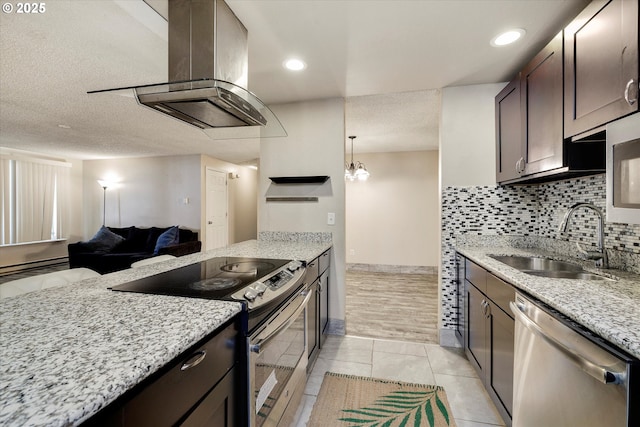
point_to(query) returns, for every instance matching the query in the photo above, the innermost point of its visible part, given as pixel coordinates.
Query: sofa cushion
(136, 240)
(105, 240)
(152, 237)
(124, 232)
(186, 235)
(168, 238)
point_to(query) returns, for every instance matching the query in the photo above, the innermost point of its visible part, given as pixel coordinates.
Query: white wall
(393, 217)
(467, 135)
(314, 146)
(150, 191)
(467, 158)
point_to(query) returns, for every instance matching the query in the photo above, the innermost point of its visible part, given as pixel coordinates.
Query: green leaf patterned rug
(346, 400)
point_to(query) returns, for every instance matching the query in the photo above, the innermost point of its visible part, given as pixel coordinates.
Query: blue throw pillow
(168, 238)
(105, 240)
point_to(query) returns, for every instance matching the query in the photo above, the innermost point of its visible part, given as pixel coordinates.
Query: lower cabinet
(219, 406)
(313, 328)
(460, 301)
(489, 334)
(318, 309)
(202, 387)
(323, 297)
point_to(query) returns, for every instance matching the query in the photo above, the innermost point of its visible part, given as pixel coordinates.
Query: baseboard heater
(14, 268)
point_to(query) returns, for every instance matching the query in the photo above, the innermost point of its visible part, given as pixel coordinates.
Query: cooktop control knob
(250, 295)
(294, 265)
(260, 288)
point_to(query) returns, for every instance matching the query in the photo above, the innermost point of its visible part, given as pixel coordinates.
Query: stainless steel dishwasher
(564, 376)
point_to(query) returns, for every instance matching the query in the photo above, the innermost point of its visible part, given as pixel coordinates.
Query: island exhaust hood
(208, 68)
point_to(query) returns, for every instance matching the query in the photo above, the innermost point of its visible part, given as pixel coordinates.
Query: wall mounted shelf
(318, 179)
(292, 199)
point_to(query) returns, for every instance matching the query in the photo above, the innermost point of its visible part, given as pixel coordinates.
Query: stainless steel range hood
(208, 67)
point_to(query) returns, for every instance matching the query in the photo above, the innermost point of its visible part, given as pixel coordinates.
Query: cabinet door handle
(194, 360)
(626, 93)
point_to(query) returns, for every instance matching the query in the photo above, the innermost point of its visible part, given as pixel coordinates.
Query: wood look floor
(392, 306)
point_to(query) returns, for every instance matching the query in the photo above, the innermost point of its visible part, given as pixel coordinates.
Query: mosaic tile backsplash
(529, 210)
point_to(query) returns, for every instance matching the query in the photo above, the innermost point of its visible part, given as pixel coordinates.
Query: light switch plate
(331, 218)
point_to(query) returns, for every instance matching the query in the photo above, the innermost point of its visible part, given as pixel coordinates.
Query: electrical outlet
(331, 218)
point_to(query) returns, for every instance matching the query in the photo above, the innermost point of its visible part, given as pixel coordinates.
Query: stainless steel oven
(278, 363)
(623, 170)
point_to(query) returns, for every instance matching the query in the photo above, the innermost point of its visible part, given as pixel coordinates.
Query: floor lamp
(104, 185)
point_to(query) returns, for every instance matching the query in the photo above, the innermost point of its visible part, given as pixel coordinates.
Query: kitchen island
(68, 352)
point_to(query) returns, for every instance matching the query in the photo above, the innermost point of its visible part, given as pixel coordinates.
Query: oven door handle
(270, 334)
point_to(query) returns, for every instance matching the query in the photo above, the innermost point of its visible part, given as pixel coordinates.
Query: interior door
(217, 227)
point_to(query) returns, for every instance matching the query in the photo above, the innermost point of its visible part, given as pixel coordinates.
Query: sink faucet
(600, 256)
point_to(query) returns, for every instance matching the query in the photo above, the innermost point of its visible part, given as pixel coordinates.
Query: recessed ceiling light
(507, 37)
(64, 126)
(294, 64)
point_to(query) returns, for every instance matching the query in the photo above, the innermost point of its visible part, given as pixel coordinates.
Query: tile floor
(409, 362)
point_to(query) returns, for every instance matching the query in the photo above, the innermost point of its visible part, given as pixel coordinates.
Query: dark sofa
(128, 245)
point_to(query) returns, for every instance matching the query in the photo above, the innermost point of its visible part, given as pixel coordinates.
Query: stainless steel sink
(566, 275)
(533, 263)
(545, 267)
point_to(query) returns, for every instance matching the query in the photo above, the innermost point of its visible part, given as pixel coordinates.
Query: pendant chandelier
(356, 170)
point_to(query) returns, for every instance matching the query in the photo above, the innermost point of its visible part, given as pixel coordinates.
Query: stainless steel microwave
(623, 170)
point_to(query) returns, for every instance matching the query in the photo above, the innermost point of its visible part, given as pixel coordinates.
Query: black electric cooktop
(216, 278)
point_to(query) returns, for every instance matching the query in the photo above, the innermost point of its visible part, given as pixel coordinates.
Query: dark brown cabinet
(489, 334)
(541, 109)
(219, 406)
(202, 387)
(586, 77)
(317, 279)
(529, 133)
(460, 301)
(509, 158)
(477, 331)
(313, 328)
(323, 291)
(601, 65)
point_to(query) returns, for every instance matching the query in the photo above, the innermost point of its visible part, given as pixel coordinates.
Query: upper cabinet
(584, 78)
(601, 65)
(509, 159)
(541, 109)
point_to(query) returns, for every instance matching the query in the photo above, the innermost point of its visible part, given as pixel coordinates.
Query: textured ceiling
(388, 58)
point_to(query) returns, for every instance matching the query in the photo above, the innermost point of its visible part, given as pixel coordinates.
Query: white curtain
(63, 193)
(5, 201)
(39, 188)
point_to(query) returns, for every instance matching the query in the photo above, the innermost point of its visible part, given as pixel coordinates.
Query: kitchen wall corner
(314, 146)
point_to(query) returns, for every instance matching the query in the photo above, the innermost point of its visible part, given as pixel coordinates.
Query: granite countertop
(67, 352)
(608, 308)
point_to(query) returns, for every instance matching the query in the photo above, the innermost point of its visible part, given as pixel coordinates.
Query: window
(33, 197)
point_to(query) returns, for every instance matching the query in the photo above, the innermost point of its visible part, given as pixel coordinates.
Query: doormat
(346, 400)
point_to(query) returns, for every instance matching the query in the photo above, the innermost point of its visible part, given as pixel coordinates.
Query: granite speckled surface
(65, 353)
(608, 308)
